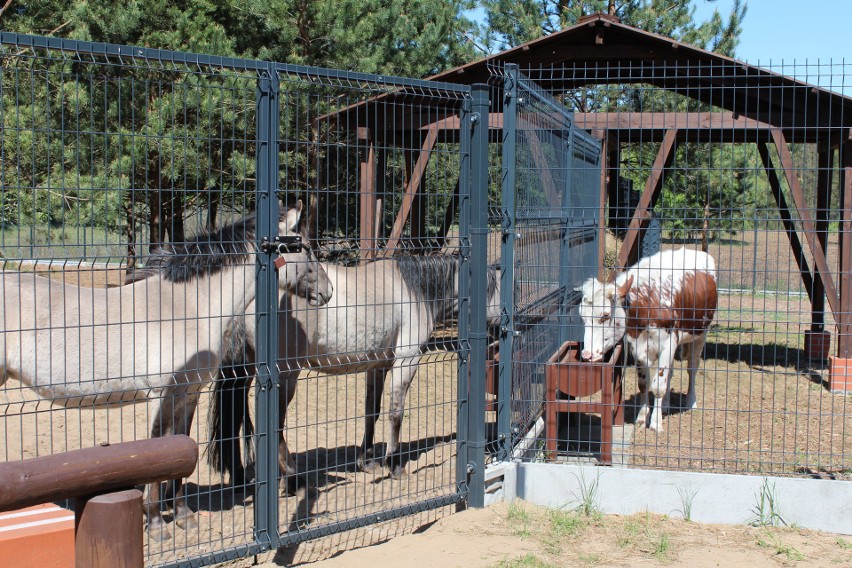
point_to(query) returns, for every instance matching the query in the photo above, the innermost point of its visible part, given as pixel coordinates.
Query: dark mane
(207, 254)
(432, 280)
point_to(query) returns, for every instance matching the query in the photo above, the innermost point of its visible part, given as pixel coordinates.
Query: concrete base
(817, 345)
(701, 497)
(840, 375)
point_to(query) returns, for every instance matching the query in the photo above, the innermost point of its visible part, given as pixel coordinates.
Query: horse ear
(625, 288)
(290, 221)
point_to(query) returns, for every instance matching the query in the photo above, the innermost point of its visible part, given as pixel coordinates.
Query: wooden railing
(102, 480)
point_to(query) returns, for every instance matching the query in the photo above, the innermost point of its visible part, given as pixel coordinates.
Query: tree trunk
(130, 233)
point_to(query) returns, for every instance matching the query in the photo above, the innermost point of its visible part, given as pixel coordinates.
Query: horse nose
(586, 354)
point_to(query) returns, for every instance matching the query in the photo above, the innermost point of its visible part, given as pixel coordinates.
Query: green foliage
(174, 141)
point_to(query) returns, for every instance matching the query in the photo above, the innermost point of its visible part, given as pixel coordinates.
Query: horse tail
(229, 412)
(228, 416)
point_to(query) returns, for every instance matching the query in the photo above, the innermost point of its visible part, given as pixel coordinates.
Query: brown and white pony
(662, 302)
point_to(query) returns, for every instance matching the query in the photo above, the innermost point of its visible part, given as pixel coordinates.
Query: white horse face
(604, 317)
(302, 274)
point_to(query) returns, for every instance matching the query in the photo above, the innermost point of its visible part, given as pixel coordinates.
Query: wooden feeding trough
(492, 367)
(566, 372)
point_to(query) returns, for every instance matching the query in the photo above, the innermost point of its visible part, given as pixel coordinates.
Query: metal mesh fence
(118, 314)
(697, 163)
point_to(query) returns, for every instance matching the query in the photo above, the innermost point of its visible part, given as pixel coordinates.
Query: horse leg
(695, 349)
(372, 408)
(401, 377)
(642, 414)
(183, 417)
(156, 526)
(660, 378)
(286, 464)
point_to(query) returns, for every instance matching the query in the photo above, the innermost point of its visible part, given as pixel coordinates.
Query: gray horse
(378, 322)
(158, 338)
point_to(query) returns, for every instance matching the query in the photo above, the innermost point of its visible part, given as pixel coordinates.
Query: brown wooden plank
(369, 195)
(787, 219)
(411, 188)
(629, 252)
(805, 218)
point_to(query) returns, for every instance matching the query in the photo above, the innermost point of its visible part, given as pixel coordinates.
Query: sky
(790, 30)
(804, 39)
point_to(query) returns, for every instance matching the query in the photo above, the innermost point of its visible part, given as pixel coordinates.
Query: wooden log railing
(108, 508)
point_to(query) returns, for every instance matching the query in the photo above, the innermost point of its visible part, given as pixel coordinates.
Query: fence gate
(109, 152)
(550, 212)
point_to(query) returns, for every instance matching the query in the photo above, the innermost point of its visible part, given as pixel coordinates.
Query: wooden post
(412, 188)
(609, 172)
(840, 373)
(108, 530)
(367, 224)
(817, 339)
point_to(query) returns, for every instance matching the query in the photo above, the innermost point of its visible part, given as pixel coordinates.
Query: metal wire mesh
(110, 152)
(714, 165)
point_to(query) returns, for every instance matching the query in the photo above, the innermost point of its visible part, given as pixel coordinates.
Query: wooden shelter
(757, 106)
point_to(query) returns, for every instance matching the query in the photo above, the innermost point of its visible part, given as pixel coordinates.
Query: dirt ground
(522, 535)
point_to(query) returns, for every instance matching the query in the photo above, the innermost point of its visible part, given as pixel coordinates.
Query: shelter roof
(600, 50)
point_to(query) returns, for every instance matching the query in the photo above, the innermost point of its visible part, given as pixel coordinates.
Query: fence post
(108, 530)
(478, 293)
(507, 262)
(266, 474)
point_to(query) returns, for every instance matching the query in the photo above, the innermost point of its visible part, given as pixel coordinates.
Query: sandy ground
(524, 535)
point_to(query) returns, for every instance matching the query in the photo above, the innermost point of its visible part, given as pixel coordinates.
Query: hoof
(371, 466)
(187, 522)
(291, 484)
(159, 532)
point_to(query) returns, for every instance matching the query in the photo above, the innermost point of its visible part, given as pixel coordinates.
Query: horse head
(299, 270)
(604, 316)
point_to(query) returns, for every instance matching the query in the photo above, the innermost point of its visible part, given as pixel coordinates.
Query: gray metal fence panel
(551, 180)
(112, 151)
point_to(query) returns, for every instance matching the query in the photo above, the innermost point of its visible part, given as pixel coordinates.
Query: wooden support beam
(412, 187)
(825, 167)
(805, 218)
(369, 196)
(844, 314)
(629, 252)
(787, 219)
(610, 169)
